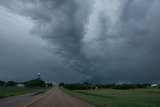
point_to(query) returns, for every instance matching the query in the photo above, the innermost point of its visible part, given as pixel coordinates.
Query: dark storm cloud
(58, 22)
(125, 45)
(96, 40)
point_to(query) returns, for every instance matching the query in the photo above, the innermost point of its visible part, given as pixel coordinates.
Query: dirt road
(57, 98)
(53, 98)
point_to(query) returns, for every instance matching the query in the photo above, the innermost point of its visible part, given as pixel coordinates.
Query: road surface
(20, 100)
(52, 98)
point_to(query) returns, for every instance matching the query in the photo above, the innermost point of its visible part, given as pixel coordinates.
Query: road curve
(57, 98)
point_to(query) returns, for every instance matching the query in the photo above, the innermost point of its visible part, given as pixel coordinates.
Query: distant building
(20, 85)
(154, 85)
(121, 83)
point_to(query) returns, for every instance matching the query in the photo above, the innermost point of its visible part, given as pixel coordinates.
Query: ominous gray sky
(79, 40)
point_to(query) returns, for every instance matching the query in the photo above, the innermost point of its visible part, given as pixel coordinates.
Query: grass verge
(119, 98)
(13, 91)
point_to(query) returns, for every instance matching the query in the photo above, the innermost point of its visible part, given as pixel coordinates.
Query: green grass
(119, 98)
(12, 91)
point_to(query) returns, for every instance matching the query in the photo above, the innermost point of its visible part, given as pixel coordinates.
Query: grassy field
(12, 91)
(119, 98)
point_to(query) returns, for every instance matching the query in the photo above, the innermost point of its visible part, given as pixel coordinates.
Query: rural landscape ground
(120, 98)
(52, 98)
(60, 97)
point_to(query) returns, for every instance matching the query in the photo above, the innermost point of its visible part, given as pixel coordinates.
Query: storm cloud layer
(74, 40)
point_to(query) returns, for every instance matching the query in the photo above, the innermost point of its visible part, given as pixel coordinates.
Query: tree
(2, 82)
(35, 83)
(61, 84)
(49, 84)
(11, 83)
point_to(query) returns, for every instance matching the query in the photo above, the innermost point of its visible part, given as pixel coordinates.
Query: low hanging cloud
(95, 40)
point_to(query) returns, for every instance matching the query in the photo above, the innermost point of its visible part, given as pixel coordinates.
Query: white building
(20, 85)
(154, 85)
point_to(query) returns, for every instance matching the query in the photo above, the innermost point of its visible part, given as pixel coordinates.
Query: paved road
(19, 101)
(52, 98)
(57, 98)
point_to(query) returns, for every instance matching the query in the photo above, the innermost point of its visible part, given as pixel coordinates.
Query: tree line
(88, 86)
(31, 83)
(122, 86)
(78, 86)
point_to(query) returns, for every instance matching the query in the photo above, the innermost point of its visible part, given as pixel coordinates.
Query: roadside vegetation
(118, 95)
(88, 86)
(13, 91)
(12, 88)
(78, 86)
